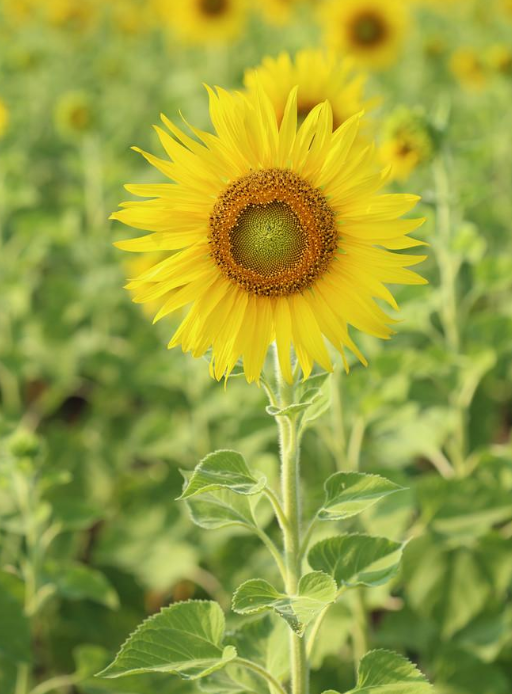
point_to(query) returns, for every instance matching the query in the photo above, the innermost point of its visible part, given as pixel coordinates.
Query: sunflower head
(318, 76)
(279, 12)
(74, 114)
(271, 233)
(369, 30)
(4, 119)
(499, 59)
(469, 68)
(204, 21)
(408, 142)
(76, 15)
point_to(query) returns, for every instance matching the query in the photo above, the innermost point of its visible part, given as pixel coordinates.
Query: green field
(98, 419)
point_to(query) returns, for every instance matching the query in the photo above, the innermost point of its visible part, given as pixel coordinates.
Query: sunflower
(499, 59)
(408, 142)
(204, 21)
(319, 77)
(4, 119)
(372, 31)
(278, 11)
(77, 15)
(469, 68)
(273, 233)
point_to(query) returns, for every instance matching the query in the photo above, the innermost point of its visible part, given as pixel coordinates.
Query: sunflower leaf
(384, 672)
(184, 639)
(220, 509)
(223, 470)
(315, 591)
(308, 398)
(354, 560)
(349, 493)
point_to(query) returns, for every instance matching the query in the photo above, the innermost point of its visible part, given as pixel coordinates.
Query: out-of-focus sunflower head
(278, 11)
(131, 17)
(499, 59)
(74, 114)
(204, 21)
(4, 118)
(77, 15)
(469, 68)
(372, 31)
(408, 142)
(318, 76)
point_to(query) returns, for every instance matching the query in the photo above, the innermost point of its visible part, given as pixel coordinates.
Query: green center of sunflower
(267, 238)
(369, 29)
(272, 233)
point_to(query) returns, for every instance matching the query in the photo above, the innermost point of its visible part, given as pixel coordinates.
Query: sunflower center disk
(267, 239)
(369, 29)
(272, 233)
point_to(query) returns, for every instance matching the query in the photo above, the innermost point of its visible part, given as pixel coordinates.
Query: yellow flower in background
(468, 67)
(278, 11)
(78, 15)
(19, 11)
(272, 233)
(318, 76)
(132, 17)
(4, 119)
(372, 31)
(499, 59)
(74, 114)
(408, 142)
(205, 21)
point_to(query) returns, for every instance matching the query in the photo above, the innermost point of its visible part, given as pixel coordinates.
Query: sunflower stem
(290, 489)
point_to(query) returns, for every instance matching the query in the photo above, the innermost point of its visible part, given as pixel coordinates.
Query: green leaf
(315, 591)
(14, 626)
(384, 672)
(220, 509)
(349, 493)
(307, 399)
(184, 639)
(81, 582)
(223, 470)
(354, 560)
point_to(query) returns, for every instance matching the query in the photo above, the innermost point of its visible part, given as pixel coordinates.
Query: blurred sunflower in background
(408, 142)
(278, 11)
(72, 14)
(318, 76)
(468, 66)
(205, 21)
(372, 31)
(74, 114)
(273, 233)
(499, 59)
(4, 118)
(131, 17)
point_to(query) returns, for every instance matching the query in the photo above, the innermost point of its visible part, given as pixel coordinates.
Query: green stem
(360, 627)
(265, 674)
(318, 623)
(447, 268)
(290, 485)
(55, 683)
(278, 509)
(448, 272)
(269, 544)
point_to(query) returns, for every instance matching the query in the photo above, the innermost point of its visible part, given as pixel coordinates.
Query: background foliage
(97, 417)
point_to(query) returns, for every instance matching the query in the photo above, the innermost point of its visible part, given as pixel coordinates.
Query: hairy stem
(290, 486)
